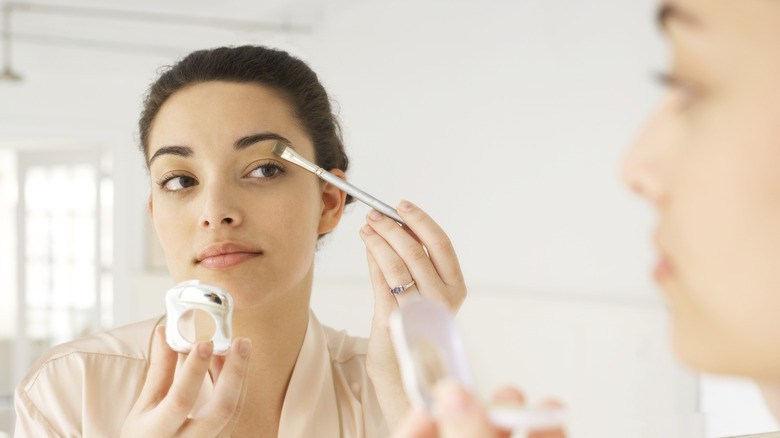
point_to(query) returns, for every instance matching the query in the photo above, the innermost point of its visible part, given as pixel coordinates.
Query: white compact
(186, 304)
(429, 349)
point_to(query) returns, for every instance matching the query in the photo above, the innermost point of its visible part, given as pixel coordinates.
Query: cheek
(725, 201)
(295, 215)
(173, 233)
(724, 225)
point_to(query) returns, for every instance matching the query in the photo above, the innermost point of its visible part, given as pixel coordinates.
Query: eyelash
(265, 166)
(270, 165)
(168, 178)
(688, 92)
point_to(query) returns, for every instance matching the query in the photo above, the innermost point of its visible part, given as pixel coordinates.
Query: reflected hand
(461, 416)
(168, 396)
(395, 257)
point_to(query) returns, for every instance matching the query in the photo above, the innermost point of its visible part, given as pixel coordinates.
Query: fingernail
(405, 206)
(452, 400)
(205, 349)
(367, 229)
(374, 215)
(244, 347)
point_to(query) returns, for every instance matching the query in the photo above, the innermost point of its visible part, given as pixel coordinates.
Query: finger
(384, 303)
(162, 367)
(416, 424)
(221, 412)
(549, 433)
(396, 251)
(392, 267)
(439, 245)
(459, 413)
(228, 430)
(180, 400)
(509, 395)
(217, 363)
(551, 403)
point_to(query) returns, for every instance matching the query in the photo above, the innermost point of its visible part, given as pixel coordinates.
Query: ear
(151, 207)
(333, 201)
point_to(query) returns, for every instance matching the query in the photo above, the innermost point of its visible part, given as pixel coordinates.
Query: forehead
(216, 98)
(212, 111)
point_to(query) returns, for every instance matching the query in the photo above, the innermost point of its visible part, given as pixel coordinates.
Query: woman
(708, 161)
(231, 214)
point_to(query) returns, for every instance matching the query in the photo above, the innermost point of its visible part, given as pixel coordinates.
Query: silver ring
(399, 289)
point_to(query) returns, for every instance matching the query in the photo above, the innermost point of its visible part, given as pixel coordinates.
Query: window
(57, 244)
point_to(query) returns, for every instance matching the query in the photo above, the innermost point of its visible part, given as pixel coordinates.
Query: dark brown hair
(275, 69)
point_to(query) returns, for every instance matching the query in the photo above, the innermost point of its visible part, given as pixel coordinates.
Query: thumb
(416, 424)
(459, 413)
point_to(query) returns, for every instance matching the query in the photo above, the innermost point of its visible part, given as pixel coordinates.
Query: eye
(266, 170)
(685, 91)
(174, 183)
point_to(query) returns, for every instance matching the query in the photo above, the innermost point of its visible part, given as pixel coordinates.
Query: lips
(663, 268)
(226, 255)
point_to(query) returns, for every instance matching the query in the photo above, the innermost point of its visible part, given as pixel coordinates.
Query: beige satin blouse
(86, 388)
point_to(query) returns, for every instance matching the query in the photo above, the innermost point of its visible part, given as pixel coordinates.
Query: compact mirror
(198, 312)
(429, 349)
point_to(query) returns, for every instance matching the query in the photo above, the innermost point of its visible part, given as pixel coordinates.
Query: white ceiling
(144, 25)
(236, 9)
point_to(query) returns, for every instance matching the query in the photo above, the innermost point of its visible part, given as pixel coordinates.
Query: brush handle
(360, 195)
(286, 152)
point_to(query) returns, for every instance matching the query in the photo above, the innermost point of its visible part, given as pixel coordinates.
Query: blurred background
(505, 120)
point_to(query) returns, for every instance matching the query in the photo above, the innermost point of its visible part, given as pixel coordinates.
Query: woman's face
(709, 162)
(227, 211)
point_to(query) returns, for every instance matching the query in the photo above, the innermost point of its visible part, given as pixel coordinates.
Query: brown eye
(267, 170)
(178, 182)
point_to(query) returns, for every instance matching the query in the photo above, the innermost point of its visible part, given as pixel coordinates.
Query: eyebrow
(240, 144)
(669, 12)
(245, 142)
(182, 151)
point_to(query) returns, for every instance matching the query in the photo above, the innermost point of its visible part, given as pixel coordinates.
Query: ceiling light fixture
(9, 75)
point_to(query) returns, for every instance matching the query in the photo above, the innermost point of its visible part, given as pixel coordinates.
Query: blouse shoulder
(131, 342)
(73, 381)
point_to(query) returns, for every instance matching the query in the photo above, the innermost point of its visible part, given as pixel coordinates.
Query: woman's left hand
(459, 415)
(397, 256)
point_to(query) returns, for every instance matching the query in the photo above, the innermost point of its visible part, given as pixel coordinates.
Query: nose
(645, 168)
(220, 207)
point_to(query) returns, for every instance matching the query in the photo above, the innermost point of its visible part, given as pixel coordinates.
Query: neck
(277, 329)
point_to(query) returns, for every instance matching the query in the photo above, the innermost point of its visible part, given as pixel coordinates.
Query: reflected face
(227, 211)
(709, 162)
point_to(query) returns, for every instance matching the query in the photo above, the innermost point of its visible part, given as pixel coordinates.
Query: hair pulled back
(272, 68)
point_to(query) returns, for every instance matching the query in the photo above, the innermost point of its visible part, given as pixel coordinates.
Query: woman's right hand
(395, 257)
(461, 416)
(168, 396)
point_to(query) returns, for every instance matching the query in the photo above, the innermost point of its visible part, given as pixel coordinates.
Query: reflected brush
(287, 153)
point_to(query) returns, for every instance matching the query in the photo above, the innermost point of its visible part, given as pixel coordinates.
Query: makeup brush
(287, 153)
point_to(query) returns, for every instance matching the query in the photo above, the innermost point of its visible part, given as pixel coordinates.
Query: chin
(699, 349)
(695, 358)
(706, 352)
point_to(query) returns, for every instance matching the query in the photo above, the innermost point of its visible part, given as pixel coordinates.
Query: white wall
(505, 120)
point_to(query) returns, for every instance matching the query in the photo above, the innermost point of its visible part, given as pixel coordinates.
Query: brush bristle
(278, 149)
